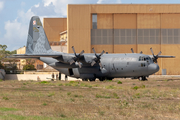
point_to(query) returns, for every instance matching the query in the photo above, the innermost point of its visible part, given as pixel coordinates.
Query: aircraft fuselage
(114, 66)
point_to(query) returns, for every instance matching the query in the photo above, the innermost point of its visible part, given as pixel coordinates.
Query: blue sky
(15, 15)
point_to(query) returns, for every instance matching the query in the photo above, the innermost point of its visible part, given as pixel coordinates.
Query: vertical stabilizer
(37, 42)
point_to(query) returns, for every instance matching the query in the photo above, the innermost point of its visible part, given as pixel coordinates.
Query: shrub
(5, 98)
(100, 96)
(51, 94)
(69, 93)
(29, 67)
(72, 99)
(44, 104)
(115, 95)
(62, 115)
(137, 87)
(119, 82)
(44, 82)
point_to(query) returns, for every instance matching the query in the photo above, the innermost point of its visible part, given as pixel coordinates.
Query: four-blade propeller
(97, 59)
(77, 57)
(155, 57)
(133, 51)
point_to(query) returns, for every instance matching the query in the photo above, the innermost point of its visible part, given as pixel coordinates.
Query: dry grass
(133, 99)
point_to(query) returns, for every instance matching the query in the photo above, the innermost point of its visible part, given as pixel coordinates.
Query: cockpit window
(141, 58)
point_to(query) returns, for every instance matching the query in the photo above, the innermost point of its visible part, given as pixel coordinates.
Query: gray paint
(114, 65)
(37, 41)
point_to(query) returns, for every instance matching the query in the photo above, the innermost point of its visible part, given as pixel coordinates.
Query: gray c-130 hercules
(88, 66)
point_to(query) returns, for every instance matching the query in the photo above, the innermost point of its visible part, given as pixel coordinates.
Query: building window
(94, 21)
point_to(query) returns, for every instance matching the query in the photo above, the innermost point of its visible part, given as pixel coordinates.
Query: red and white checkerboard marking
(34, 22)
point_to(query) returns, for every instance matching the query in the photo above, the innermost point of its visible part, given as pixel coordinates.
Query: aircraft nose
(153, 68)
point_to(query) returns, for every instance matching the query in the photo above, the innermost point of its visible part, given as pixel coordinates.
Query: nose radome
(153, 68)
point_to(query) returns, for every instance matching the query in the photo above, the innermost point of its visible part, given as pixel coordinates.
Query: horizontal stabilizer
(21, 57)
(38, 55)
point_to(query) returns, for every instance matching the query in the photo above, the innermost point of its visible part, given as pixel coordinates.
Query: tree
(3, 47)
(1, 65)
(29, 64)
(29, 67)
(3, 54)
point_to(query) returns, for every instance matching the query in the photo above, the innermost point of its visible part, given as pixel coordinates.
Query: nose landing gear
(142, 78)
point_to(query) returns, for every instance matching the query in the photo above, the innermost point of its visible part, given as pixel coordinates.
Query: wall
(79, 28)
(125, 26)
(53, 27)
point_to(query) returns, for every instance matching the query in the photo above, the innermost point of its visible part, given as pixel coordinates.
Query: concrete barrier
(2, 74)
(36, 77)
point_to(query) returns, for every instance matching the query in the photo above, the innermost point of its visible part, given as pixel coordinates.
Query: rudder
(37, 42)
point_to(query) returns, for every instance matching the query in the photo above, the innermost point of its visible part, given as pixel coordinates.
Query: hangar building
(116, 28)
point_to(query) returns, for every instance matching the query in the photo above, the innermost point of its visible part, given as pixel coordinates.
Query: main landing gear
(91, 79)
(142, 78)
(100, 79)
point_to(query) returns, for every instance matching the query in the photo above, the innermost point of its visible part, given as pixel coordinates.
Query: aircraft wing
(166, 56)
(62, 57)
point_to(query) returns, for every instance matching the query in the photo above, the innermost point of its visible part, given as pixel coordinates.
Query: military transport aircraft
(88, 66)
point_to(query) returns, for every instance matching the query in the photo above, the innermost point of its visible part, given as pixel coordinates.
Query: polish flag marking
(34, 22)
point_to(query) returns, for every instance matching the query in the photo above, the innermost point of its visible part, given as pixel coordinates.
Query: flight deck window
(141, 58)
(94, 21)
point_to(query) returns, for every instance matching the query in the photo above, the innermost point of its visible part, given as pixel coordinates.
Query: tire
(143, 78)
(84, 79)
(101, 79)
(140, 78)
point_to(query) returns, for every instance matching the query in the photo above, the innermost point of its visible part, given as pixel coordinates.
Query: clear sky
(15, 15)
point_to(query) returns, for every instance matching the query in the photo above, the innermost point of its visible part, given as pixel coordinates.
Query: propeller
(132, 50)
(155, 57)
(77, 57)
(97, 59)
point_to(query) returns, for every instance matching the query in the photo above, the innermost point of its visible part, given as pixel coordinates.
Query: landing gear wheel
(101, 79)
(84, 79)
(143, 78)
(140, 78)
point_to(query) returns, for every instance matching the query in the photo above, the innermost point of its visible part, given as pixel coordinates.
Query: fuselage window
(143, 65)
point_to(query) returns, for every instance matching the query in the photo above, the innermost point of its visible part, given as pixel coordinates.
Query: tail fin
(37, 42)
